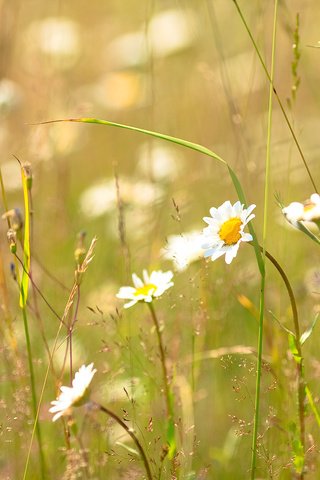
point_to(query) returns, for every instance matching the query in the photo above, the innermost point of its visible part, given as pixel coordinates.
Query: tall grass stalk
(167, 390)
(23, 304)
(276, 95)
(264, 237)
(298, 357)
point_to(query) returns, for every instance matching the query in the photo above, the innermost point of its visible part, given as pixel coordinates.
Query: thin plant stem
(33, 391)
(258, 379)
(264, 236)
(276, 94)
(163, 362)
(71, 330)
(300, 369)
(129, 432)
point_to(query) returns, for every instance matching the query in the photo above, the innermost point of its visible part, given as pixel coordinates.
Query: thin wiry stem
(276, 95)
(129, 432)
(300, 369)
(263, 277)
(163, 360)
(33, 390)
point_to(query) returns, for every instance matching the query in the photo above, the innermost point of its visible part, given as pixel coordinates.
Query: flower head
(73, 396)
(183, 249)
(225, 230)
(147, 289)
(308, 211)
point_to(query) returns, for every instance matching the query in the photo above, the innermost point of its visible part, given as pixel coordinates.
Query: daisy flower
(308, 211)
(225, 230)
(146, 290)
(73, 396)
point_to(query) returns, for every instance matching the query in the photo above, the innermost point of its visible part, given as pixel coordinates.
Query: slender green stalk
(168, 395)
(276, 94)
(33, 389)
(300, 368)
(129, 432)
(263, 277)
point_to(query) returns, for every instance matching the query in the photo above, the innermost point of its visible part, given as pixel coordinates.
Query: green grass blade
(26, 244)
(162, 136)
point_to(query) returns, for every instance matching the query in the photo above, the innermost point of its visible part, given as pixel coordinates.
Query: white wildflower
(146, 290)
(73, 396)
(225, 230)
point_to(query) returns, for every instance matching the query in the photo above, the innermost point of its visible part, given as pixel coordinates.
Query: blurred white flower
(147, 289)
(58, 38)
(158, 160)
(183, 249)
(11, 173)
(118, 90)
(73, 396)
(168, 32)
(225, 231)
(171, 31)
(309, 211)
(10, 95)
(102, 196)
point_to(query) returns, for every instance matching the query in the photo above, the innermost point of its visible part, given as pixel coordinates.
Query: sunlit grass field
(216, 376)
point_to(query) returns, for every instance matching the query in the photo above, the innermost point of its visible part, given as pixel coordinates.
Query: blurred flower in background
(57, 38)
(10, 96)
(101, 197)
(308, 211)
(183, 249)
(158, 161)
(167, 33)
(116, 90)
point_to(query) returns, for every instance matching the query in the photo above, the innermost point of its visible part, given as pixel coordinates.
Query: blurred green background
(188, 69)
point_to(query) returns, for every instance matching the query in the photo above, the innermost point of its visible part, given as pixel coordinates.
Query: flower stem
(129, 432)
(258, 379)
(163, 361)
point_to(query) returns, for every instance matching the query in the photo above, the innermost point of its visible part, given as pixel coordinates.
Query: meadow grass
(217, 378)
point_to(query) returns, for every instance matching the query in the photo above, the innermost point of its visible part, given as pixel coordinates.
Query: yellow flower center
(230, 231)
(308, 206)
(145, 290)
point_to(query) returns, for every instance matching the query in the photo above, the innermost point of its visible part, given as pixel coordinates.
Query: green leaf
(308, 332)
(293, 347)
(129, 449)
(297, 448)
(312, 405)
(162, 136)
(300, 226)
(26, 244)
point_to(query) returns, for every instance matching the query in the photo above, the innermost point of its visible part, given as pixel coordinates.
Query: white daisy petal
(72, 396)
(137, 282)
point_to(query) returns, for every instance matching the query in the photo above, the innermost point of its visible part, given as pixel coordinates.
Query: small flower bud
(15, 219)
(80, 250)
(12, 239)
(26, 167)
